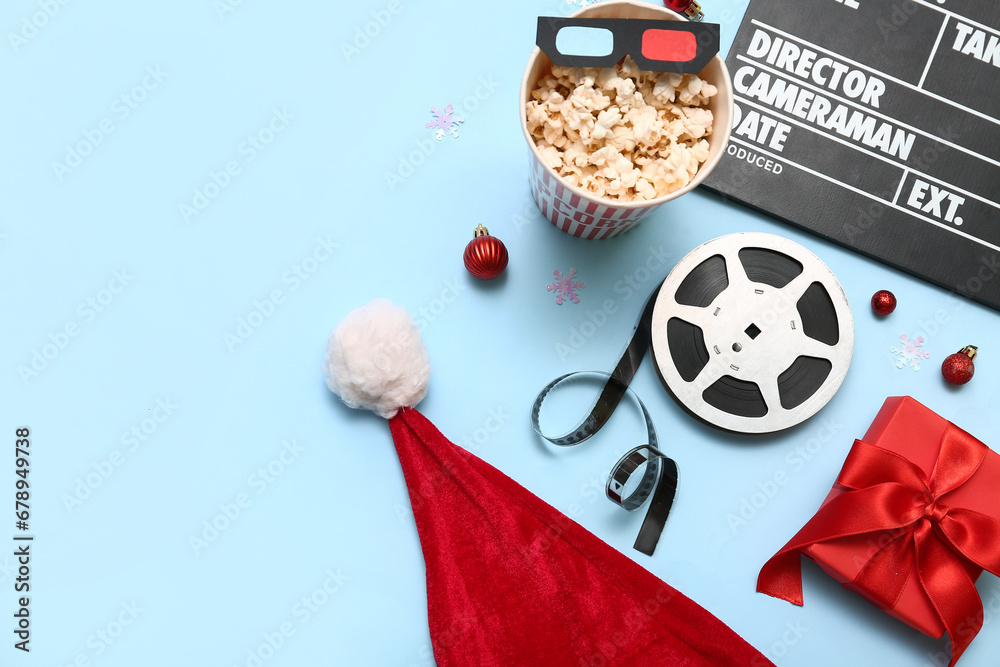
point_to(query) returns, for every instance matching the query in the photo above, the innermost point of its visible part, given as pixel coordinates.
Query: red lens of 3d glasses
(669, 45)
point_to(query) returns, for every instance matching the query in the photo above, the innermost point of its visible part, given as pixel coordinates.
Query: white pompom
(375, 359)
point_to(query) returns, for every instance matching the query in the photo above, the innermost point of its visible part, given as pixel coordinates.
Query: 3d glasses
(658, 45)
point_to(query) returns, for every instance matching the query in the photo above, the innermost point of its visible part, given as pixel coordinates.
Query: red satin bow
(888, 494)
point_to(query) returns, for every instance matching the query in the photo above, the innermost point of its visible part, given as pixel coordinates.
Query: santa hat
(511, 581)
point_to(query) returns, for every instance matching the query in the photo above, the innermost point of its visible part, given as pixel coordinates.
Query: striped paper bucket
(573, 209)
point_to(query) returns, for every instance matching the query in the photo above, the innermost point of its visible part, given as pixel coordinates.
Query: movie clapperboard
(876, 124)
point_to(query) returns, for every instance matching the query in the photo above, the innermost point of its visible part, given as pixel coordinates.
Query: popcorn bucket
(581, 213)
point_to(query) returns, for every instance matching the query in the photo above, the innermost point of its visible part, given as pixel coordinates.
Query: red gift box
(911, 523)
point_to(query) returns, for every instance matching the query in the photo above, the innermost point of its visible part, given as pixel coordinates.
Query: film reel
(752, 333)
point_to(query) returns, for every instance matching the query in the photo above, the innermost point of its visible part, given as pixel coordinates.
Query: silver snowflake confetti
(444, 122)
(909, 352)
(566, 286)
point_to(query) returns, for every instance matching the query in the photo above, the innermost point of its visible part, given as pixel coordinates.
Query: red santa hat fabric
(511, 580)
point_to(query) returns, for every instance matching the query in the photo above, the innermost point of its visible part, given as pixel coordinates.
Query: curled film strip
(656, 473)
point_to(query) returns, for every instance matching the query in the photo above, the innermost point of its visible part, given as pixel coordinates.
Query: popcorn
(551, 155)
(620, 132)
(606, 121)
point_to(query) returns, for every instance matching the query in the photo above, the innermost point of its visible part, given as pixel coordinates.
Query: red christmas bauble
(883, 302)
(958, 368)
(485, 256)
(688, 8)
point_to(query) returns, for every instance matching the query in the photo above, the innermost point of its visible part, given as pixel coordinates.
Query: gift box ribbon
(931, 539)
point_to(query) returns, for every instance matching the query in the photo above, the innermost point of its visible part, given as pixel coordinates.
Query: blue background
(117, 519)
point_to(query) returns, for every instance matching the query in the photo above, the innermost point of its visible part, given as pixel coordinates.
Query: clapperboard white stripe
(868, 110)
(899, 190)
(845, 59)
(784, 160)
(887, 160)
(937, 43)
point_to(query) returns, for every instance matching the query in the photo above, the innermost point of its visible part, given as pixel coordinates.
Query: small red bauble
(958, 368)
(688, 8)
(485, 256)
(883, 302)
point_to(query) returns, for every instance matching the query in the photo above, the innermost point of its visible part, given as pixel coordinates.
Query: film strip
(749, 332)
(656, 473)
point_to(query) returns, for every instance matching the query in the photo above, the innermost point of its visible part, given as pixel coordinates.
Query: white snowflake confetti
(582, 3)
(909, 352)
(566, 286)
(444, 122)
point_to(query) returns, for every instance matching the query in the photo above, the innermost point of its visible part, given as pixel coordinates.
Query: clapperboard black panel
(875, 123)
